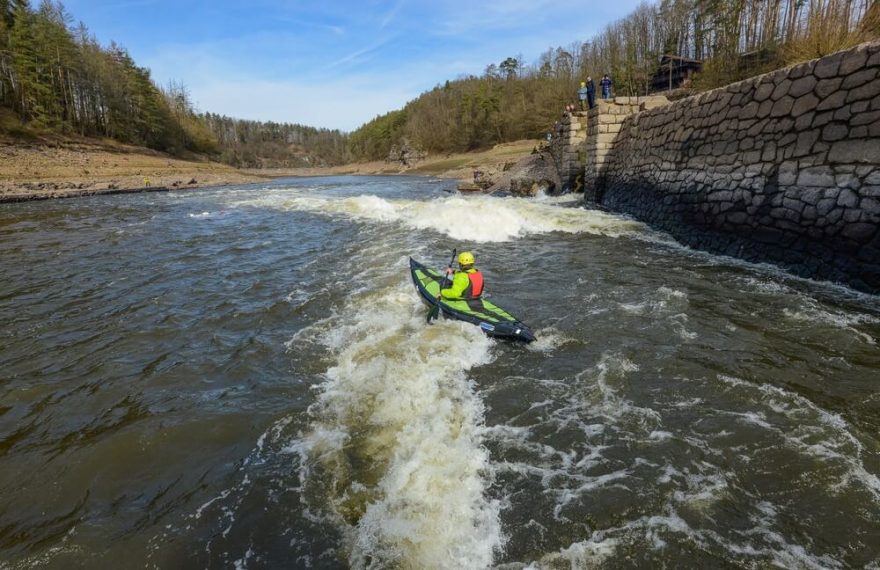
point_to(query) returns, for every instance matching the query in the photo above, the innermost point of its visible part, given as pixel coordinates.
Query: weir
(781, 168)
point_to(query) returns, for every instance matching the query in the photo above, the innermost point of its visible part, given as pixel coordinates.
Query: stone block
(865, 118)
(764, 91)
(764, 109)
(781, 89)
(846, 180)
(828, 66)
(853, 61)
(822, 119)
(654, 104)
(755, 129)
(805, 121)
(805, 142)
(834, 132)
(847, 198)
(859, 78)
(826, 87)
(802, 86)
(783, 125)
(843, 114)
(804, 104)
(809, 214)
(811, 196)
(851, 215)
(868, 91)
(750, 111)
(855, 151)
(751, 157)
(787, 140)
(870, 204)
(782, 106)
(817, 176)
(860, 232)
(825, 206)
(832, 102)
(793, 204)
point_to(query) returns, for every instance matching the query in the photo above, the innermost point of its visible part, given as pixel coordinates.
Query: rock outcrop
(529, 176)
(405, 154)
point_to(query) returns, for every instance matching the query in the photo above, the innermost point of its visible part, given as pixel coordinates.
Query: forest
(512, 100)
(55, 77)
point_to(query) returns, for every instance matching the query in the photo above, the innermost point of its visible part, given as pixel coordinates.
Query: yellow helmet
(466, 258)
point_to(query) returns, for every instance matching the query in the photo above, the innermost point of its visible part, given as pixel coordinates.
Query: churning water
(243, 378)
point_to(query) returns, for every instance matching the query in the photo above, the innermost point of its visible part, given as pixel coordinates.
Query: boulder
(405, 154)
(532, 174)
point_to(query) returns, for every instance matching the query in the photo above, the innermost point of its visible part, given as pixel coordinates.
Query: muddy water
(243, 377)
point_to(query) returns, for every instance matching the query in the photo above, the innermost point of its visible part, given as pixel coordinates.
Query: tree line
(56, 77)
(510, 100)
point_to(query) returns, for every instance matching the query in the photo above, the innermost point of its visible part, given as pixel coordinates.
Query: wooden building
(674, 72)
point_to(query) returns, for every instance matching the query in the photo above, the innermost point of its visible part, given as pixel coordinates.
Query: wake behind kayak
(492, 319)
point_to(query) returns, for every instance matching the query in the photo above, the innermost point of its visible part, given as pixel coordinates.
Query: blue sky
(334, 64)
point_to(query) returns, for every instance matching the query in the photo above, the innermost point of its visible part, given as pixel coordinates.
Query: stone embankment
(781, 168)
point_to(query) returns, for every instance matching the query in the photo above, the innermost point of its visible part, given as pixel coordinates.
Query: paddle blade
(434, 312)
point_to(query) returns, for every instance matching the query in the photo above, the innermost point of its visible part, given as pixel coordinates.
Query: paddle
(435, 310)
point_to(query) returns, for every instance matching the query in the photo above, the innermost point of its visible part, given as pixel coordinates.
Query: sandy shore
(61, 169)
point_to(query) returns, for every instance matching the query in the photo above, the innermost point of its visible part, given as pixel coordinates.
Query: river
(243, 378)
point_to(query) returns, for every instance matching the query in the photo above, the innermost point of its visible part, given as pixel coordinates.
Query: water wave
(473, 218)
(394, 453)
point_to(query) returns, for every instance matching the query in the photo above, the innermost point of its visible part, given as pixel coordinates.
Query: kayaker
(467, 282)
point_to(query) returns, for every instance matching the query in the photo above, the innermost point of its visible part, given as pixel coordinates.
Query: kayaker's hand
(439, 297)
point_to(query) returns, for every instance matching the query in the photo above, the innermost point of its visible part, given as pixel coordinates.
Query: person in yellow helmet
(467, 282)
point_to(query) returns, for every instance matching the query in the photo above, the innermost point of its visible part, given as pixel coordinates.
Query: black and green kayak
(495, 321)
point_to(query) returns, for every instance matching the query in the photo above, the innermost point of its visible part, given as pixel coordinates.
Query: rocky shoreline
(47, 170)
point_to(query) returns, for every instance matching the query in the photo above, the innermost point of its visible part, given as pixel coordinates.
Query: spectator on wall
(591, 92)
(605, 84)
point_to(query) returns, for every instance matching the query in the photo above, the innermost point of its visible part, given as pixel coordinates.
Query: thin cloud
(389, 17)
(338, 30)
(357, 55)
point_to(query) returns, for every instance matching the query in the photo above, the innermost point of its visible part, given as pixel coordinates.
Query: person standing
(591, 92)
(582, 95)
(605, 84)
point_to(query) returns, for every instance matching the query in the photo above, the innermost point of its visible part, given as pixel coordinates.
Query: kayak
(495, 321)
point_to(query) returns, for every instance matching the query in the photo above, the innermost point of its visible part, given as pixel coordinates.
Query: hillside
(61, 167)
(58, 167)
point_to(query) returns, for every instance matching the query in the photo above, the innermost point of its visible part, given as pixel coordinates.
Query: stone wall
(781, 168)
(567, 149)
(603, 125)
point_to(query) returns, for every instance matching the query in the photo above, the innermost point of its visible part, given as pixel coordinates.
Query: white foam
(812, 431)
(396, 439)
(812, 313)
(549, 339)
(472, 218)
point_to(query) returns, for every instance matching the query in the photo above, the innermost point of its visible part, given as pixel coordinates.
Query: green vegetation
(510, 101)
(56, 78)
